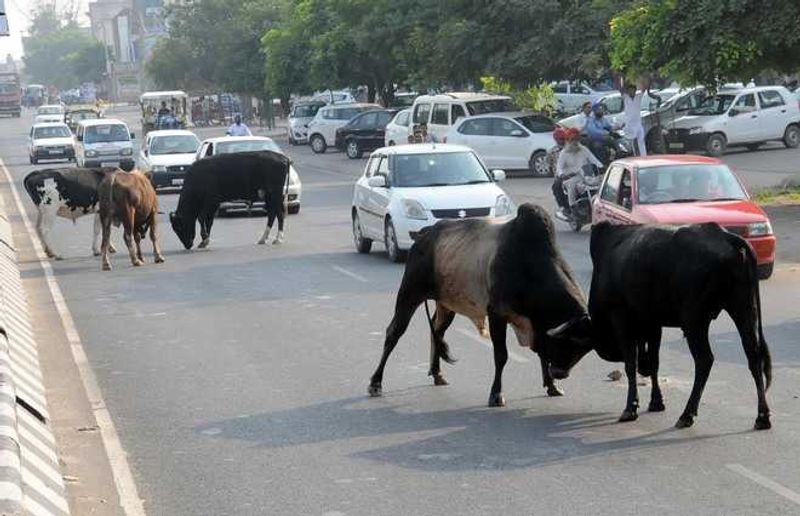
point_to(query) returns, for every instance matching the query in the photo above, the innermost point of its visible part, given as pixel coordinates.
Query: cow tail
(286, 189)
(440, 346)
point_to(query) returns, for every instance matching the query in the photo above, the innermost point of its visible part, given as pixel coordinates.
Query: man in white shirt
(586, 114)
(238, 128)
(571, 160)
(632, 100)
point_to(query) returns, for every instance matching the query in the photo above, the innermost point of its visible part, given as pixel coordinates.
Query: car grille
(178, 168)
(461, 213)
(737, 230)
(679, 133)
(114, 152)
(55, 148)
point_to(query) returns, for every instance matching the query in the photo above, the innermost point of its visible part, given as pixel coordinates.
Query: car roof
(50, 124)
(461, 95)
(59, 106)
(350, 105)
(506, 114)
(158, 94)
(219, 139)
(422, 148)
(171, 132)
(665, 160)
(101, 121)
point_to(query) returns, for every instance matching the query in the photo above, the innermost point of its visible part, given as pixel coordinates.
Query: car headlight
(695, 130)
(158, 168)
(759, 229)
(294, 178)
(414, 210)
(126, 152)
(91, 153)
(503, 206)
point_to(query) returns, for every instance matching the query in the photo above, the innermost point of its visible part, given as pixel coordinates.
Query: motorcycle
(581, 211)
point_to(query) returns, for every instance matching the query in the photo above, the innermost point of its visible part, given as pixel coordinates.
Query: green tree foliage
(707, 41)
(540, 97)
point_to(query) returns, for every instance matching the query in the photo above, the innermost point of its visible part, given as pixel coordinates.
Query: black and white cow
(246, 176)
(65, 192)
(512, 273)
(649, 277)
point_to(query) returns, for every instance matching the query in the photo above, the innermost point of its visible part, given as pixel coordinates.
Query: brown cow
(128, 198)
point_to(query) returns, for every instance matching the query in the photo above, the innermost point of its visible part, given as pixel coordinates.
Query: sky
(19, 12)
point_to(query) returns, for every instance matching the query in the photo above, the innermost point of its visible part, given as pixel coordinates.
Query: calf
(128, 198)
(248, 176)
(64, 192)
(511, 273)
(649, 277)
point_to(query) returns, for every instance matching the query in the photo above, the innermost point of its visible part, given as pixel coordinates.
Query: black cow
(65, 192)
(511, 273)
(248, 176)
(649, 277)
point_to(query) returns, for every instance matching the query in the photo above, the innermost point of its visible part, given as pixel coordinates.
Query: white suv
(748, 117)
(440, 112)
(322, 129)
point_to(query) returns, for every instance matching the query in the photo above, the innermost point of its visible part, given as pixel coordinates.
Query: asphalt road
(236, 377)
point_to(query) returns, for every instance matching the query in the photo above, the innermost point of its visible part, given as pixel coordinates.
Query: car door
(378, 199)
(476, 133)
(364, 129)
(440, 121)
(510, 147)
(774, 115)
(378, 130)
(363, 199)
(614, 203)
(743, 120)
(144, 154)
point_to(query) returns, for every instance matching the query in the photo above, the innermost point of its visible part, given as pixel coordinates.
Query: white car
(396, 132)
(49, 113)
(509, 141)
(571, 95)
(405, 188)
(233, 144)
(301, 114)
(440, 112)
(168, 155)
(322, 129)
(51, 140)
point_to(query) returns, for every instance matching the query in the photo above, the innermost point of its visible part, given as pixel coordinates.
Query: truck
(10, 94)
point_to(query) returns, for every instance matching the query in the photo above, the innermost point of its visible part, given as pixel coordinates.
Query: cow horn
(562, 328)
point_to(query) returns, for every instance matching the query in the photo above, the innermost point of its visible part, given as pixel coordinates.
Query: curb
(30, 474)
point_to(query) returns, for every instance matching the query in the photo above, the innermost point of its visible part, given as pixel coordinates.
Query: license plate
(109, 163)
(55, 152)
(676, 145)
(177, 182)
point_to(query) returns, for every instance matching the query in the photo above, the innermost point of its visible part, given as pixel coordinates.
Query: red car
(684, 189)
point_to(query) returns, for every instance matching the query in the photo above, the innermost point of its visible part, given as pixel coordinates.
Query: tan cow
(128, 198)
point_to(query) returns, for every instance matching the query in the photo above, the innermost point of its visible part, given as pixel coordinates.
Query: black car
(364, 132)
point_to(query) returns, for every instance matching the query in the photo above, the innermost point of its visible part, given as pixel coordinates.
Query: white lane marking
(513, 355)
(117, 458)
(351, 274)
(765, 482)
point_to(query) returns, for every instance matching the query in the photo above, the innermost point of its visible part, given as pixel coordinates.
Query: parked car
(334, 97)
(364, 132)
(405, 99)
(684, 190)
(572, 95)
(747, 117)
(104, 142)
(52, 140)
(49, 113)
(168, 155)
(233, 144)
(396, 132)
(405, 188)
(440, 112)
(322, 129)
(300, 115)
(510, 141)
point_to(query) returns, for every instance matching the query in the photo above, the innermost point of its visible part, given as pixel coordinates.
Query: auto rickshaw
(164, 110)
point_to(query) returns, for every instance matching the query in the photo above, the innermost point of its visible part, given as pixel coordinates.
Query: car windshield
(106, 133)
(49, 110)
(175, 144)
(439, 169)
(305, 111)
(246, 146)
(479, 107)
(537, 123)
(688, 183)
(602, 87)
(715, 105)
(51, 132)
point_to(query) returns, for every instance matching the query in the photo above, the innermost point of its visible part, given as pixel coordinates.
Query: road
(236, 378)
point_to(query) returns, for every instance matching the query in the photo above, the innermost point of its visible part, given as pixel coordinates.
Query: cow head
(183, 228)
(567, 344)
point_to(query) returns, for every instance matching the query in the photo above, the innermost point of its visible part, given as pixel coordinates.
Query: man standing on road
(238, 128)
(632, 99)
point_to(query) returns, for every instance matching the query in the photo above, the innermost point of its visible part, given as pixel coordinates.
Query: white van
(104, 142)
(747, 117)
(441, 111)
(322, 129)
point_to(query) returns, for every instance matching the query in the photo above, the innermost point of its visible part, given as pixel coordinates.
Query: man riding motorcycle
(552, 164)
(599, 129)
(569, 170)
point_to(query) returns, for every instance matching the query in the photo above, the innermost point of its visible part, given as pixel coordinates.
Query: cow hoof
(439, 380)
(762, 423)
(261, 242)
(684, 421)
(106, 267)
(656, 406)
(159, 259)
(203, 244)
(95, 253)
(112, 249)
(554, 391)
(58, 258)
(277, 242)
(375, 391)
(137, 263)
(628, 415)
(496, 399)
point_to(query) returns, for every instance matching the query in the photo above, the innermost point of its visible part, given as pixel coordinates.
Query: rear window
(770, 99)
(348, 113)
(537, 123)
(246, 146)
(479, 107)
(304, 111)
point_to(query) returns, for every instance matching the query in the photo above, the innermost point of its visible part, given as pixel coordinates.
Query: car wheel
(716, 144)
(390, 241)
(765, 270)
(391, 143)
(791, 138)
(294, 209)
(318, 144)
(362, 243)
(538, 165)
(352, 150)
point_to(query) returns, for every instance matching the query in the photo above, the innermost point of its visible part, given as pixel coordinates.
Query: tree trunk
(387, 94)
(371, 91)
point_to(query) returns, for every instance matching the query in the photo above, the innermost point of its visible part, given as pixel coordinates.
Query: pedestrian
(585, 116)
(632, 101)
(238, 128)
(426, 137)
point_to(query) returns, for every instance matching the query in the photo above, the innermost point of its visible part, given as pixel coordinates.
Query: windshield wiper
(437, 184)
(685, 200)
(725, 199)
(475, 182)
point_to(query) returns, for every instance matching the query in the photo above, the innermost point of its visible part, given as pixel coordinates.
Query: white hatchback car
(49, 113)
(322, 128)
(396, 132)
(168, 155)
(51, 140)
(405, 188)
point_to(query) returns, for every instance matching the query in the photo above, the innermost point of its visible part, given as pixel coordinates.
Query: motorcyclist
(571, 160)
(598, 129)
(559, 136)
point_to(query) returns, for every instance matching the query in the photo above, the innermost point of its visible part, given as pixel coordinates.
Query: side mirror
(133, 136)
(733, 112)
(377, 182)
(519, 133)
(145, 152)
(80, 138)
(499, 175)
